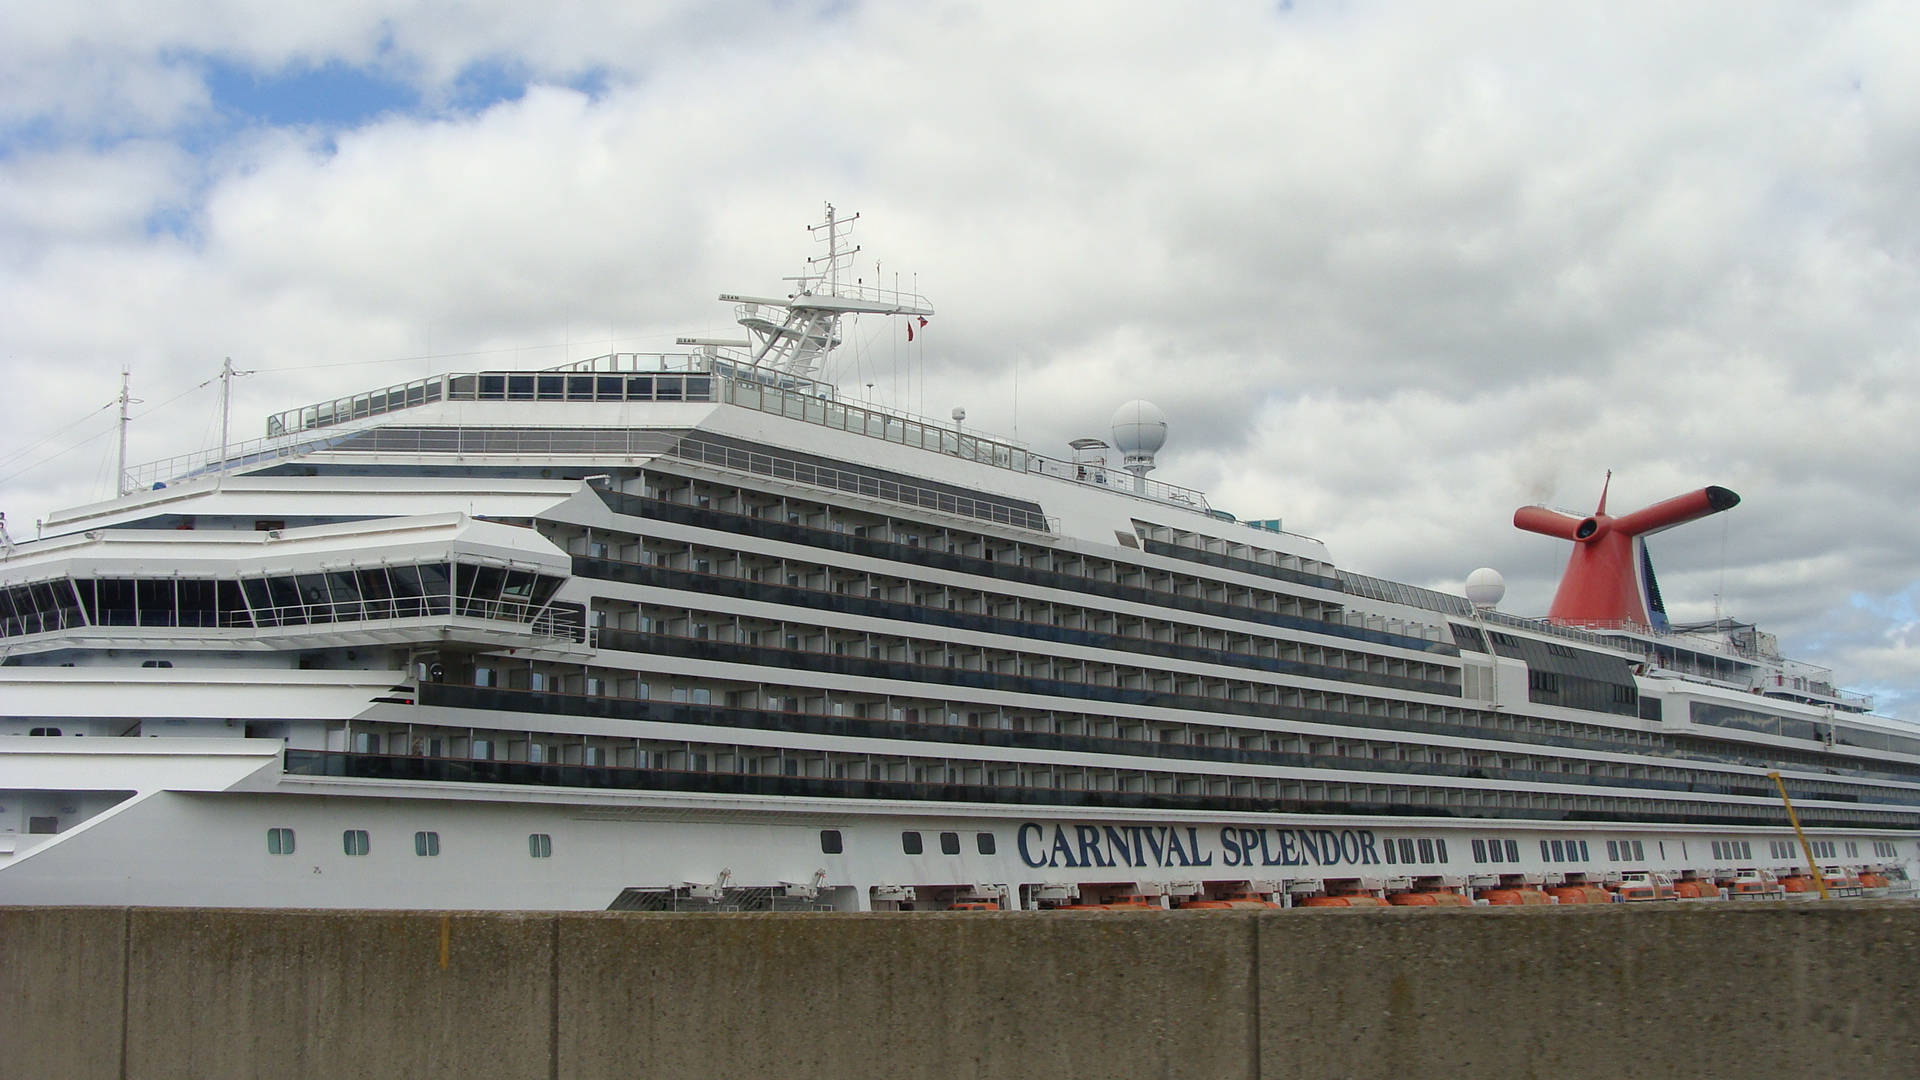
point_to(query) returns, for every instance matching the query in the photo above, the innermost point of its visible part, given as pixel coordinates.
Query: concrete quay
(1761, 991)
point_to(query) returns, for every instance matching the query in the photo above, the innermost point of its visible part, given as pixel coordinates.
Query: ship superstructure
(692, 631)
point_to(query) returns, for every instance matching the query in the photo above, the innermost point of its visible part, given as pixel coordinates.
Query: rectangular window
(279, 841)
(1513, 851)
(1406, 851)
(1426, 850)
(540, 845)
(1393, 855)
(1479, 851)
(949, 843)
(426, 843)
(1639, 852)
(1559, 851)
(355, 841)
(1546, 852)
(830, 842)
(910, 843)
(1584, 857)
(985, 843)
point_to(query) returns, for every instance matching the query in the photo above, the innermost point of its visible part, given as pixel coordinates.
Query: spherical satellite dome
(1486, 588)
(1139, 427)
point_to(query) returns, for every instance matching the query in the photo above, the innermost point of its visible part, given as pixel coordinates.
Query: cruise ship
(697, 632)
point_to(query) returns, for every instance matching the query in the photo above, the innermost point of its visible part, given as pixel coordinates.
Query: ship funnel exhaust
(1609, 579)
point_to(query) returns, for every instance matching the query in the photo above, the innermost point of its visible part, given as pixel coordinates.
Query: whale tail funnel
(1609, 580)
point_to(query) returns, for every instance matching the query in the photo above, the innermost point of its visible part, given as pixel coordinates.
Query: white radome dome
(1139, 427)
(1486, 588)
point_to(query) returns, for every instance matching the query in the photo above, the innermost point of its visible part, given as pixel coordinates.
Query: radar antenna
(794, 336)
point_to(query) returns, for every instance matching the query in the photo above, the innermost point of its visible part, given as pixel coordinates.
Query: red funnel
(1608, 581)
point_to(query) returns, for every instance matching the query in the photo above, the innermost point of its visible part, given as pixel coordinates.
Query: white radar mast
(794, 335)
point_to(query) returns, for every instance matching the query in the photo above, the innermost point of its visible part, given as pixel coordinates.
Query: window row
(1496, 850)
(357, 842)
(1421, 850)
(765, 770)
(541, 386)
(1554, 851)
(1733, 849)
(1626, 851)
(380, 592)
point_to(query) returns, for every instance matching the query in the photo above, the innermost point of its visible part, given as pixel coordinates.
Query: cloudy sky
(1392, 269)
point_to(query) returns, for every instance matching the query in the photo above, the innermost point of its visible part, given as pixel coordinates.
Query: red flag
(923, 322)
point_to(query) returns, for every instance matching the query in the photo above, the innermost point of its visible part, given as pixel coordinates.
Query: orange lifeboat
(1641, 887)
(1696, 889)
(1871, 880)
(1515, 897)
(976, 905)
(1799, 883)
(1755, 884)
(1580, 894)
(1429, 898)
(1349, 900)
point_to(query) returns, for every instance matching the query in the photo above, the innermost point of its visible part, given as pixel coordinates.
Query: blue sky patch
(332, 95)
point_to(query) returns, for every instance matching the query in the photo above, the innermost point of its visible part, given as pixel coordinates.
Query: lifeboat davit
(1349, 900)
(1429, 898)
(1515, 897)
(1123, 902)
(1229, 902)
(1580, 894)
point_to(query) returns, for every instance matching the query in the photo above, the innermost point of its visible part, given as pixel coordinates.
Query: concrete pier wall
(1609, 992)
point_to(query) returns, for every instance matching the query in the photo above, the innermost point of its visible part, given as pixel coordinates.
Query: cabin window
(1546, 851)
(540, 845)
(1440, 851)
(1426, 851)
(279, 841)
(355, 842)
(1479, 851)
(949, 843)
(426, 843)
(830, 842)
(910, 843)
(984, 841)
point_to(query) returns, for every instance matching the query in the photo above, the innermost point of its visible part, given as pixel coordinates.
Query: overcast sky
(1392, 269)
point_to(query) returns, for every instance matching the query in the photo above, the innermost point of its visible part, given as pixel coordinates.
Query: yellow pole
(1819, 879)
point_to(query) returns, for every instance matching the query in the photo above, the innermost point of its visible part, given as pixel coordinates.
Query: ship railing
(240, 455)
(808, 474)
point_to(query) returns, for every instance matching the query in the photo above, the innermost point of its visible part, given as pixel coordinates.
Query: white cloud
(1392, 270)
